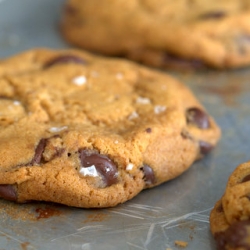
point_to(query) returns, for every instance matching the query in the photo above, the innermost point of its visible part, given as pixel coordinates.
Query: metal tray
(175, 211)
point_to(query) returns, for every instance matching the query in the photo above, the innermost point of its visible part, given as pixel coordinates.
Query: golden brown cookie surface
(93, 132)
(180, 34)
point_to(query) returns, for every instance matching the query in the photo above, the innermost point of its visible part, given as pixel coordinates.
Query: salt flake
(89, 171)
(133, 115)
(143, 100)
(57, 129)
(79, 80)
(159, 109)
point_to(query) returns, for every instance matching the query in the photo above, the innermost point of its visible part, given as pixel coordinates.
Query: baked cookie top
(163, 33)
(88, 131)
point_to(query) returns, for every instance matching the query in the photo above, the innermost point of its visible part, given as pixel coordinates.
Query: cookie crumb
(180, 243)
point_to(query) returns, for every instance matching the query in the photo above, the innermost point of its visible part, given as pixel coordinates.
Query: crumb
(180, 243)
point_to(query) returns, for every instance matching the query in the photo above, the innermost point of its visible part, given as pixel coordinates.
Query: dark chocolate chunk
(246, 178)
(213, 15)
(198, 117)
(63, 59)
(234, 237)
(149, 175)
(149, 130)
(39, 152)
(8, 192)
(205, 147)
(104, 166)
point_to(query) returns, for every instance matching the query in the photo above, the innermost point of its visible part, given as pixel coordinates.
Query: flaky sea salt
(16, 103)
(79, 80)
(57, 129)
(159, 109)
(143, 100)
(133, 115)
(89, 171)
(130, 166)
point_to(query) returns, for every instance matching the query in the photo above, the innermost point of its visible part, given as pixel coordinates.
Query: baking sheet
(156, 218)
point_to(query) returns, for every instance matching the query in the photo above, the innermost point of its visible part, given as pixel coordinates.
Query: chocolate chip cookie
(163, 33)
(230, 218)
(88, 131)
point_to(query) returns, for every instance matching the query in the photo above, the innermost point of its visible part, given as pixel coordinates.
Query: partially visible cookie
(87, 131)
(163, 33)
(229, 236)
(236, 200)
(230, 218)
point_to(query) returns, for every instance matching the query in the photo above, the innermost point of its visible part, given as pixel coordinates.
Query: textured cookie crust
(163, 33)
(230, 218)
(88, 131)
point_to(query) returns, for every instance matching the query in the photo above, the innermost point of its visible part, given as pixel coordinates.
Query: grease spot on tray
(47, 212)
(98, 217)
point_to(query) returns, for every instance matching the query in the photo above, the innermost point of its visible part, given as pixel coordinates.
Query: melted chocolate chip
(149, 175)
(39, 152)
(175, 62)
(235, 236)
(149, 130)
(198, 117)
(63, 59)
(104, 166)
(213, 15)
(205, 147)
(246, 178)
(8, 192)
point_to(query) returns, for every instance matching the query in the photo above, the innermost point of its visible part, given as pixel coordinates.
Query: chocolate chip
(205, 147)
(246, 178)
(39, 152)
(235, 236)
(104, 166)
(63, 59)
(175, 62)
(149, 130)
(8, 192)
(149, 176)
(198, 117)
(213, 15)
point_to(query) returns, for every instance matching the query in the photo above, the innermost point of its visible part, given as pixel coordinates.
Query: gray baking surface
(156, 218)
